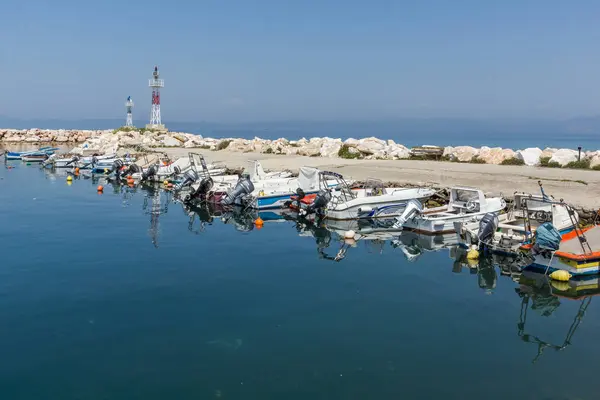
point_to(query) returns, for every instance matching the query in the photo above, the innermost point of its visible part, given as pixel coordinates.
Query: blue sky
(233, 61)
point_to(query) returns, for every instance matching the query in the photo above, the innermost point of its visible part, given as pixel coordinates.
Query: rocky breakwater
(47, 135)
(371, 148)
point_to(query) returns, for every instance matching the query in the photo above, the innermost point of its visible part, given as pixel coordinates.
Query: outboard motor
(74, 160)
(49, 160)
(150, 172)
(413, 207)
(176, 170)
(132, 169)
(487, 227)
(189, 177)
(547, 238)
(318, 205)
(198, 189)
(239, 194)
(204, 186)
(116, 167)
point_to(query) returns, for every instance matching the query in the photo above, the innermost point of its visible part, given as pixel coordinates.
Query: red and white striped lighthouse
(156, 84)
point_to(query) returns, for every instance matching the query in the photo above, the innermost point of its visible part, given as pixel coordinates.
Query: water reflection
(156, 202)
(540, 294)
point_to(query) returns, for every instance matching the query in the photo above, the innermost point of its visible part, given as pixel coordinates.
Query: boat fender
(561, 275)
(473, 254)
(365, 209)
(349, 234)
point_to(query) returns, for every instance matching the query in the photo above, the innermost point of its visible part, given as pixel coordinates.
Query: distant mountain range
(410, 131)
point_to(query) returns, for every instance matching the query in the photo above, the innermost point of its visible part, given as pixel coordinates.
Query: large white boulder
(330, 147)
(495, 155)
(595, 160)
(530, 156)
(352, 142)
(460, 153)
(396, 151)
(564, 156)
(371, 145)
(240, 145)
(311, 149)
(169, 141)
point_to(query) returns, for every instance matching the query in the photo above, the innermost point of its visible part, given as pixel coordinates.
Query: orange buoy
(100, 188)
(259, 222)
(76, 170)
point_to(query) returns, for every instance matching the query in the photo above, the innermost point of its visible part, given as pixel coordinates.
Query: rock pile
(371, 148)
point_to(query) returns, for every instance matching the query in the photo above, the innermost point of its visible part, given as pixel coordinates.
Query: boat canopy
(308, 179)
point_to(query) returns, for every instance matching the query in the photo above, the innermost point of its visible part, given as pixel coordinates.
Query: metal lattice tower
(129, 106)
(156, 84)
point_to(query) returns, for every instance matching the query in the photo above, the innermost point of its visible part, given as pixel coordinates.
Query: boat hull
(440, 226)
(383, 209)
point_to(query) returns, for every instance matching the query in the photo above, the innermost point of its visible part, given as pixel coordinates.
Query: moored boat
(336, 200)
(577, 253)
(34, 157)
(516, 228)
(466, 205)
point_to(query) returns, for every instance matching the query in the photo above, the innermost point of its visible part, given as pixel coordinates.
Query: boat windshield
(464, 196)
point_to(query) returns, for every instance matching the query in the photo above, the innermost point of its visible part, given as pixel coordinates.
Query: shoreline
(578, 187)
(356, 158)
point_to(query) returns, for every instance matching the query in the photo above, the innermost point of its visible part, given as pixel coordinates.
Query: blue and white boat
(13, 155)
(274, 193)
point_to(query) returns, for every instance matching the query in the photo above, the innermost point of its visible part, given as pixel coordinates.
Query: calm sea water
(118, 296)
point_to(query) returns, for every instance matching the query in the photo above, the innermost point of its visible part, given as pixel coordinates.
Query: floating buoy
(561, 275)
(559, 285)
(170, 185)
(129, 177)
(105, 170)
(473, 254)
(100, 188)
(259, 222)
(130, 182)
(77, 170)
(69, 178)
(349, 234)
(166, 182)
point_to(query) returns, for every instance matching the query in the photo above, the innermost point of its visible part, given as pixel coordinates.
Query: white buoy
(349, 234)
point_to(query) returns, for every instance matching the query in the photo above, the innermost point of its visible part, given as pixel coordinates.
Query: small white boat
(34, 157)
(336, 200)
(466, 205)
(78, 162)
(517, 227)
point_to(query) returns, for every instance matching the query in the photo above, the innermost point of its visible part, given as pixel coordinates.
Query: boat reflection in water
(543, 295)
(206, 213)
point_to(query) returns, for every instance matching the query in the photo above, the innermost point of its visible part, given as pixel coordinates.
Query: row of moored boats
(535, 223)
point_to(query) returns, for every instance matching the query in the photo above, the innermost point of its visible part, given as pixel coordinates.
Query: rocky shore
(110, 141)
